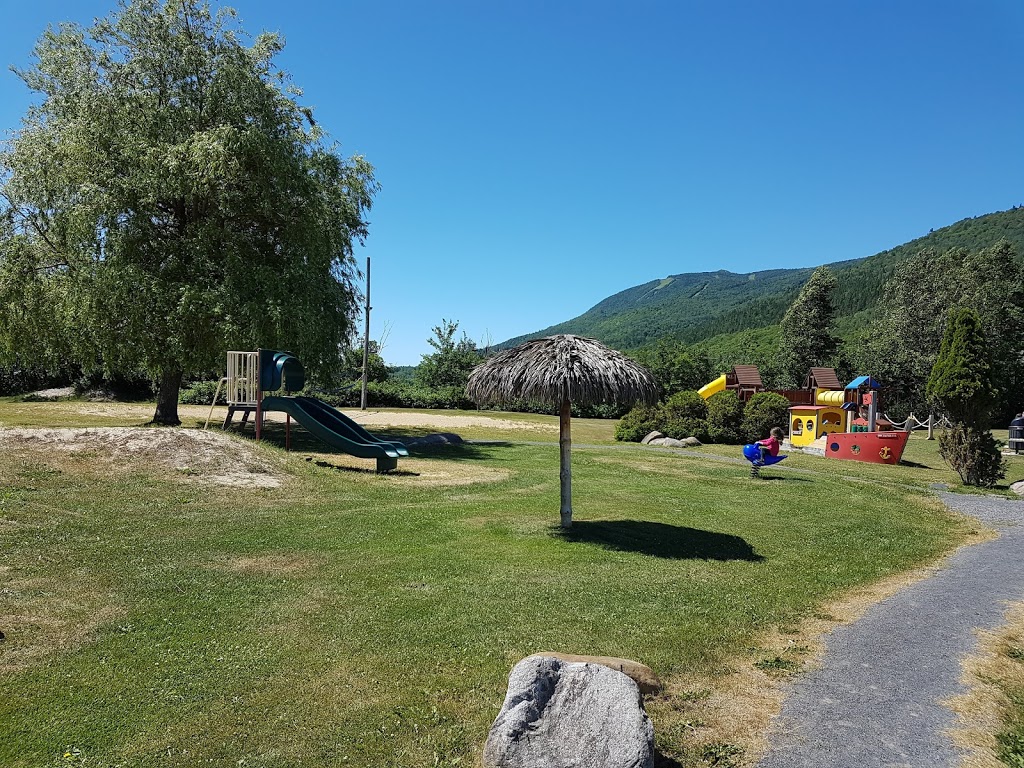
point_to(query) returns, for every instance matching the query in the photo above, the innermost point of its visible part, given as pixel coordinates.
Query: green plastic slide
(337, 430)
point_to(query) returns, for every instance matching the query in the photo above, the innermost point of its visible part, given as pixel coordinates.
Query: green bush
(685, 414)
(638, 423)
(686, 405)
(401, 393)
(725, 418)
(974, 454)
(764, 411)
(201, 393)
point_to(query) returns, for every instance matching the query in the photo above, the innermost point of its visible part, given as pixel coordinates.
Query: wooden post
(565, 451)
(366, 337)
(259, 398)
(288, 432)
(259, 414)
(931, 426)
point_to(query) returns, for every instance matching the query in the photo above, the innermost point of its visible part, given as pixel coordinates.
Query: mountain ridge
(696, 306)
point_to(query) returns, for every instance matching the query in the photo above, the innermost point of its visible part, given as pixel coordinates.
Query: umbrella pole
(565, 473)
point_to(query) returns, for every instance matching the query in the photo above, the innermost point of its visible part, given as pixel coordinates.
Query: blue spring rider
(752, 453)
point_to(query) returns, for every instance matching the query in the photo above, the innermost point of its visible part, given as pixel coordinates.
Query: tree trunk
(167, 399)
(565, 473)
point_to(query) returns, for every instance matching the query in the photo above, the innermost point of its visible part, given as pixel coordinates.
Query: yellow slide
(713, 388)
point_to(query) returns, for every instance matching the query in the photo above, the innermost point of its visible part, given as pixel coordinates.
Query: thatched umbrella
(561, 370)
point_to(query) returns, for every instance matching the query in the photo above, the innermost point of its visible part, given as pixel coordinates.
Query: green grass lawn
(346, 618)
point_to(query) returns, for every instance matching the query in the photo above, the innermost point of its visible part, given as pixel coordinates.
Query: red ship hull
(873, 447)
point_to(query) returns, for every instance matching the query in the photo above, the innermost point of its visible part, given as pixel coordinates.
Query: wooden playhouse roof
(823, 378)
(747, 376)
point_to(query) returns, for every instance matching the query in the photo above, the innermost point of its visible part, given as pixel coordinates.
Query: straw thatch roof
(557, 368)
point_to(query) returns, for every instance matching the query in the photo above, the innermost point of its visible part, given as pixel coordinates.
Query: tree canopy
(168, 198)
(907, 333)
(806, 339)
(451, 361)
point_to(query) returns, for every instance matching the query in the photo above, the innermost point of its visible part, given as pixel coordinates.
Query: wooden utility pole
(366, 337)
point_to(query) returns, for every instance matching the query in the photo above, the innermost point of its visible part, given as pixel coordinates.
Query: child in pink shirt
(770, 445)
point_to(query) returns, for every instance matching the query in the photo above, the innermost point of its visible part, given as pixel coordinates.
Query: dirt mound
(199, 456)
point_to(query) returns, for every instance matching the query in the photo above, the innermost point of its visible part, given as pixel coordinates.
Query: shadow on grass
(674, 542)
(365, 470)
(785, 478)
(304, 441)
(467, 451)
(914, 464)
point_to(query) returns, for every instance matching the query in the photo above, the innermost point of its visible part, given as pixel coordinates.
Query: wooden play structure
(842, 422)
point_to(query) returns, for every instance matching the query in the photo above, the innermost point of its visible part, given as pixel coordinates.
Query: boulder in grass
(651, 436)
(562, 714)
(667, 442)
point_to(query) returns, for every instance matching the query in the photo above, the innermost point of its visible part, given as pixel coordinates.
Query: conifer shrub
(961, 383)
(725, 418)
(762, 412)
(974, 454)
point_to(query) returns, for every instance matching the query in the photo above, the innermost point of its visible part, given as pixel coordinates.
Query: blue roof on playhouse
(864, 381)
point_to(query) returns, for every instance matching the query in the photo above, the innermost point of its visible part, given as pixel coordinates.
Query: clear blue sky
(536, 157)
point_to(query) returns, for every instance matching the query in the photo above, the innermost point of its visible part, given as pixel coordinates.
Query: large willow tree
(167, 198)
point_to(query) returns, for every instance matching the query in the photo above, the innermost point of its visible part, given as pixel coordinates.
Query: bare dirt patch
(193, 455)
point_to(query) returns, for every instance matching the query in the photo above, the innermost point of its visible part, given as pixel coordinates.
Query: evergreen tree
(807, 339)
(961, 383)
(168, 199)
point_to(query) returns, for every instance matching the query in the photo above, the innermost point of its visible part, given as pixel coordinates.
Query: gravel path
(875, 701)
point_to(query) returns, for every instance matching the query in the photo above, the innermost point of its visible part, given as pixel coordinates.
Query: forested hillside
(694, 307)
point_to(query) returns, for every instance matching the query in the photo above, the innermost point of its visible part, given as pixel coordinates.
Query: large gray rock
(651, 436)
(667, 442)
(560, 714)
(671, 442)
